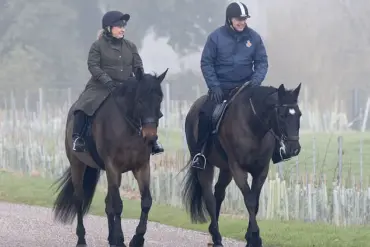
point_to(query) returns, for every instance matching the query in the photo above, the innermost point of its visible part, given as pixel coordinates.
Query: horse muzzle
(294, 148)
(149, 130)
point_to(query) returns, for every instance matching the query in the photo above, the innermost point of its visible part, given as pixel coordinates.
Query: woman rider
(112, 59)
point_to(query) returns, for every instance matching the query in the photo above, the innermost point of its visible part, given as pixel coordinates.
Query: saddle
(217, 116)
(220, 110)
(90, 144)
(90, 141)
(216, 121)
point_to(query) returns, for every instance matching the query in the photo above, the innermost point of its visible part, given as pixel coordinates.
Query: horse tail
(64, 206)
(192, 195)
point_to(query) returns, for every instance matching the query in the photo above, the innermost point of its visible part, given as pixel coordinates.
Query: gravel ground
(29, 226)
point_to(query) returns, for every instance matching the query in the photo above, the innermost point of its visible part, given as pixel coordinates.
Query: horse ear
(162, 76)
(297, 90)
(281, 90)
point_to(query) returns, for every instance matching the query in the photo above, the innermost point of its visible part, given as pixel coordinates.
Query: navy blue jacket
(230, 59)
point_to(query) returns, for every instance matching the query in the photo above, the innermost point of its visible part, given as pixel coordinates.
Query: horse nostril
(296, 151)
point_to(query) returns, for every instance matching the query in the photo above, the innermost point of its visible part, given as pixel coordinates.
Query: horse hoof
(137, 242)
(81, 245)
(254, 245)
(214, 245)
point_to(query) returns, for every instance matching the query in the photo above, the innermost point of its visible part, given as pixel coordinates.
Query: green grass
(36, 191)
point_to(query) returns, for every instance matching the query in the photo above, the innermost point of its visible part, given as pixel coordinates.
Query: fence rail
(315, 118)
(31, 142)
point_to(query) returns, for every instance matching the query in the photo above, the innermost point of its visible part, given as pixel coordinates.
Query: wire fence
(327, 182)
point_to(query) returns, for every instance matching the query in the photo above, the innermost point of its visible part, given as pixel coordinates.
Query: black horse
(120, 140)
(258, 123)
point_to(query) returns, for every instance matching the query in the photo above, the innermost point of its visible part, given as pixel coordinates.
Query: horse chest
(133, 158)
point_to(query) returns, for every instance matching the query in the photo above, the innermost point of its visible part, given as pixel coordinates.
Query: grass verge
(36, 191)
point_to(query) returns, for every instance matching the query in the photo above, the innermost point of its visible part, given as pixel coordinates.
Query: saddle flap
(217, 115)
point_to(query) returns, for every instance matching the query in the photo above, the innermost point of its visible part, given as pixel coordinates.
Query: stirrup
(200, 156)
(77, 147)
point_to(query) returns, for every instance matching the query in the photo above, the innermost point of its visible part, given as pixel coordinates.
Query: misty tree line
(324, 44)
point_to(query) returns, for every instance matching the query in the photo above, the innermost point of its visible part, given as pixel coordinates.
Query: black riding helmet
(236, 10)
(114, 18)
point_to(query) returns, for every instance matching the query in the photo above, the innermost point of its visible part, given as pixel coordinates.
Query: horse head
(286, 123)
(147, 103)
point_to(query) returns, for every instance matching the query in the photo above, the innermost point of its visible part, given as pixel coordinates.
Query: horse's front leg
(142, 177)
(251, 197)
(114, 206)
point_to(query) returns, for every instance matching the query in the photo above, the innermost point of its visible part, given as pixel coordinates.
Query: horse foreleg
(142, 177)
(251, 202)
(257, 184)
(114, 203)
(110, 216)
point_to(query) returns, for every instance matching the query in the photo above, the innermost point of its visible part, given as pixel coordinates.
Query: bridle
(282, 138)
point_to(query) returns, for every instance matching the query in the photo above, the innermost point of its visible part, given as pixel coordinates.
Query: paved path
(29, 226)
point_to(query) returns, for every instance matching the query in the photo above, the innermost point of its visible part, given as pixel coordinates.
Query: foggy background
(323, 44)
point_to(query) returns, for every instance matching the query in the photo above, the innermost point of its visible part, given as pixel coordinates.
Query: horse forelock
(150, 85)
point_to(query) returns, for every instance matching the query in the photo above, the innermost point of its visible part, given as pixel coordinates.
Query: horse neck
(249, 113)
(123, 112)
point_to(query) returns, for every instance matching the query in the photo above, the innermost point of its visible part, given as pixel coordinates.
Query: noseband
(284, 137)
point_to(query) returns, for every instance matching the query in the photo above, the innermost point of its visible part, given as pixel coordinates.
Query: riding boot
(199, 160)
(78, 142)
(157, 148)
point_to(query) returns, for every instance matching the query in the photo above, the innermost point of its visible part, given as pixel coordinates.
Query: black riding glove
(217, 95)
(139, 74)
(111, 85)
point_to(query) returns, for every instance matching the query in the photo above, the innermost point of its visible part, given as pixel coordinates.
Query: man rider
(233, 54)
(106, 71)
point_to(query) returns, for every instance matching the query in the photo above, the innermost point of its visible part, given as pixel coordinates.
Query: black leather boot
(157, 148)
(199, 161)
(78, 142)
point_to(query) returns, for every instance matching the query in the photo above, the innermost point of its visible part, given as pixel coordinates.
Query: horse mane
(131, 85)
(258, 94)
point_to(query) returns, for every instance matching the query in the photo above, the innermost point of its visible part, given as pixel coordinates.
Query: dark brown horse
(255, 120)
(121, 135)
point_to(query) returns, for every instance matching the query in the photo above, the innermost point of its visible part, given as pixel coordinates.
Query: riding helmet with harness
(236, 10)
